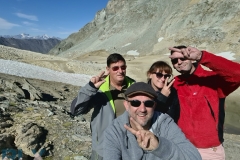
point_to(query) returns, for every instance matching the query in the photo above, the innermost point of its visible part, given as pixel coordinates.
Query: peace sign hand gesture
(166, 90)
(189, 53)
(146, 139)
(99, 80)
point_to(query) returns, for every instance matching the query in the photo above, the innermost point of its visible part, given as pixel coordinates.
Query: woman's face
(158, 79)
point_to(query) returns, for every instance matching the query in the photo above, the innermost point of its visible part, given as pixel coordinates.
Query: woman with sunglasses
(167, 100)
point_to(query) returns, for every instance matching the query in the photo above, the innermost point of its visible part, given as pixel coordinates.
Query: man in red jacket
(202, 96)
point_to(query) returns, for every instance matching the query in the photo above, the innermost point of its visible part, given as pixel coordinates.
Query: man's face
(181, 64)
(142, 114)
(117, 71)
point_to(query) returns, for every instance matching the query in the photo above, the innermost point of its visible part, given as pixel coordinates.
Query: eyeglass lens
(175, 60)
(115, 68)
(137, 103)
(160, 75)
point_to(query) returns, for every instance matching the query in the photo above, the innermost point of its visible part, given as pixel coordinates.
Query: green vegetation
(67, 124)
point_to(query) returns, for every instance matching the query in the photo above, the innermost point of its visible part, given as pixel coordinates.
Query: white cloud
(28, 23)
(29, 17)
(37, 30)
(7, 25)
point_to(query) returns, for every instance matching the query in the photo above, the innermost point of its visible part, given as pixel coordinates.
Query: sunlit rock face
(207, 24)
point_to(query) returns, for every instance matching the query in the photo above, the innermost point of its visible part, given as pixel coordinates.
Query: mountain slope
(149, 27)
(35, 45)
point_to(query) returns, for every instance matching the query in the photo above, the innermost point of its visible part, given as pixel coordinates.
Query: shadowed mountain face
(149, 27)
(35, 45)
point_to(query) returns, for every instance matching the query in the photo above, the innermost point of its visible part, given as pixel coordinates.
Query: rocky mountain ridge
(31, 44)
(28, 36)
(148, 27)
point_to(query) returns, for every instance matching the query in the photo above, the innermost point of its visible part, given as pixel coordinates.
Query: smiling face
(117, 71)
(182, 65)
(157, 81)
(141, 114)
(158, 73)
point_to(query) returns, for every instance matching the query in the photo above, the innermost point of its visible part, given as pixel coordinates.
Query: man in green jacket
(105, 94)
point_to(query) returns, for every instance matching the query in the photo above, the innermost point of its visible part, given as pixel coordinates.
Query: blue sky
(57, 18)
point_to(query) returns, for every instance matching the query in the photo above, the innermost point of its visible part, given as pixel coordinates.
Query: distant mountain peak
(27, 36)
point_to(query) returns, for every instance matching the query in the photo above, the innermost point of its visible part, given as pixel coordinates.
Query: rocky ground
(34, 116)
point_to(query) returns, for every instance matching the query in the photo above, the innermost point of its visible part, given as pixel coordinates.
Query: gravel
(31, 71)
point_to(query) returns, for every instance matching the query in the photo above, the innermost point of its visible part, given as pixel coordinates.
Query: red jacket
(200, 95)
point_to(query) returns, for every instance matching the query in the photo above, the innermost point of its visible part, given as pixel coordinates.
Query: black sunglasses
(137, 103)
(115, 68)
(160, 75)
(175, 60)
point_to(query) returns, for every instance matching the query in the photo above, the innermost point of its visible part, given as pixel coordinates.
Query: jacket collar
(198, 72)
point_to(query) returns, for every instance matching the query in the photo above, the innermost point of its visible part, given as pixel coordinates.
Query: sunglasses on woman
(115, 68)
(137, 103)
(175, 60)
(160, 75)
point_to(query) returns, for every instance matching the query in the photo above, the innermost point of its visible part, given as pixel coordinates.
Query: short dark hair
(114, 58)
(178, 47)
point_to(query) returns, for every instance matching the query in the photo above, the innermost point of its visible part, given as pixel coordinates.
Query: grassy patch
(48, 158)
(12, 104)
(29, 109)
(67, 124)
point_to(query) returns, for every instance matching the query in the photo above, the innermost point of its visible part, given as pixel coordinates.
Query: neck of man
(189, 72)
(146, 127)
(117, 85)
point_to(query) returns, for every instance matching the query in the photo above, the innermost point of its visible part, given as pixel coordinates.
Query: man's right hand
(99, 80)
(146, 139)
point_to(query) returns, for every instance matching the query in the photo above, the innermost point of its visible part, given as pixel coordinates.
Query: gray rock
(6, 141)
(80, 158)
(29, 137)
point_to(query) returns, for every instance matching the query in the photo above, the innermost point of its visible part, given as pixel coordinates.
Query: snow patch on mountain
(28, 36)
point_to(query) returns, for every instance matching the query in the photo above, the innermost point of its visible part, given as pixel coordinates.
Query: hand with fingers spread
(166, 90)
(189, 53)
(146, 139)
(99, 80)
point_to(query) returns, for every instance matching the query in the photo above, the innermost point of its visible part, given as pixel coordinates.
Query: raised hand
(166, 90)
(37, 157)
(146, 139)
(99, 80)
(189, 53)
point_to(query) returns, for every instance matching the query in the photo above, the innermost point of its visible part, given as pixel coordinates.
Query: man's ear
(125, 103)
(107, 68)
